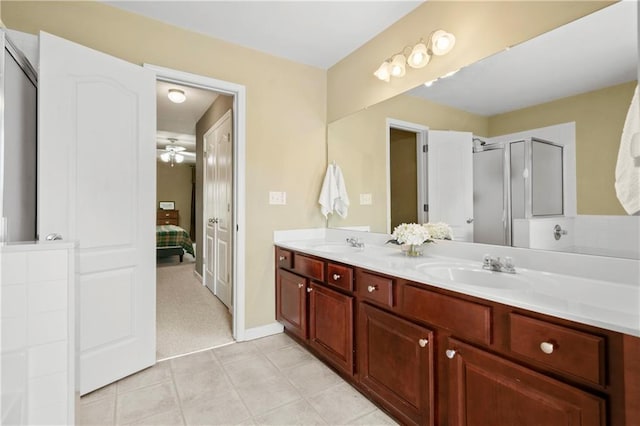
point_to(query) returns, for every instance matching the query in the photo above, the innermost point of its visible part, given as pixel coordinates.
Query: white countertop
(606, 304)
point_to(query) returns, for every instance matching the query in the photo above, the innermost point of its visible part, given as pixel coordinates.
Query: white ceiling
(318, 33)
(596, 51)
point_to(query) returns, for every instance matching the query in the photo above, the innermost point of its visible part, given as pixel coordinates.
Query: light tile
(312, 377)
(14, 268)
(273, 343)
(47, 389)
(341, 404)
(295, 413)
(266, 395)
(235, 352)
(143, 402)
(47, 327)
(289, 356)
(193, 363)
(377, 418)
(14, 300)
(169, 418)
(48, 359)
(193, 386)
(47, 265)
(161, 372)
(14, 372)
(108, 391)
(253, 369)
(220, 410)
(47, 296)
(99, 412)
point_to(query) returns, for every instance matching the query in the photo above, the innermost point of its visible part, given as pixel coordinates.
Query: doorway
(234, 100)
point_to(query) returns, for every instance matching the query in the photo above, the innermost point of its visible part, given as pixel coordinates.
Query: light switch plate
(365, 199)
(277, 198)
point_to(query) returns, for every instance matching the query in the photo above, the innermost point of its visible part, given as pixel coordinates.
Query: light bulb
(398, 68)
(442, 42)
(179, 158)
(383, 72)
(165, 157)
(177, 96)
(418, 57)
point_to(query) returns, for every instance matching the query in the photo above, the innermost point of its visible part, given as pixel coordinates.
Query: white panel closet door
(450, 170)
(97, 187)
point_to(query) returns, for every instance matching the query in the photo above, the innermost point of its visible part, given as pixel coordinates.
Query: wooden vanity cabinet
(291, 302)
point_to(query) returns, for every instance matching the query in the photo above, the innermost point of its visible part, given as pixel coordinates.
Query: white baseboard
(198, 276)
(262, 331)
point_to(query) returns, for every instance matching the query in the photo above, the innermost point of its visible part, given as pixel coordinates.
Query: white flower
(411, 233)
(439, 231)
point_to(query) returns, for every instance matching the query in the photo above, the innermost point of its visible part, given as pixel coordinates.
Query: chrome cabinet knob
(372, 288)
(309, 289)
(336, 277)
(300, 285)
(547, 347)
(450, 353)
(423, 342)
(53, 237)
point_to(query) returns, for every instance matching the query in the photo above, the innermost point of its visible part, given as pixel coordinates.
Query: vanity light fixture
(177, 96)
(439, 43)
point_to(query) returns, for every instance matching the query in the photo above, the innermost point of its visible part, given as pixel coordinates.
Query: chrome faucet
(355, 242)
(498, 265)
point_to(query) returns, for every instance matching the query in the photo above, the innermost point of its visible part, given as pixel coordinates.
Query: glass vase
(412, 250)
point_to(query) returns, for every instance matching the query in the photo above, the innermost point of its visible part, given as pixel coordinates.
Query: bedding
(171, 236)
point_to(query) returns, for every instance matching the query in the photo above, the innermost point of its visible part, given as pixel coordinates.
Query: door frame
(205, 213)
(238, 92)
(422, 133)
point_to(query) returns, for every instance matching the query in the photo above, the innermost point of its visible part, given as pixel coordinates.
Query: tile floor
(270, 381)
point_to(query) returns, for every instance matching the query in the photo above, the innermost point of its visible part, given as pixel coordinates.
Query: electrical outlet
(365, 199)
(277, 198)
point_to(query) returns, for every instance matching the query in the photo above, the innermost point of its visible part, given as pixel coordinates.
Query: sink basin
(477, 277)
(336, 248)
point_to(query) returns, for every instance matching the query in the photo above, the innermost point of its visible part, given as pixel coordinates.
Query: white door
(97, 187)
(450, 170)
(219, 191)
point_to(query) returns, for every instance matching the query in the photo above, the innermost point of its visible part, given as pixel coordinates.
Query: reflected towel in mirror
(627, 169)
(333, 195)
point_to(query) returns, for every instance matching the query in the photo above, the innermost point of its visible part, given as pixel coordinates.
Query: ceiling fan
(173, 154)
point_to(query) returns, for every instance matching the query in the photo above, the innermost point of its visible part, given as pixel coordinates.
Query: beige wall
(599, 118)
(357, 143)
(220, 106)
(174, 184)
(481, 29)
(286, 116)
(403, 171)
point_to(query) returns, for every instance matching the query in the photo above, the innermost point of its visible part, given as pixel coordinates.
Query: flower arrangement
(413, 235)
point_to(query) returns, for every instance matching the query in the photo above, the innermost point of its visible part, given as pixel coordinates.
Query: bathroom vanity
(432, 351)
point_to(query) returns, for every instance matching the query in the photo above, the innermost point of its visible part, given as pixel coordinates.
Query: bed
(171, 240)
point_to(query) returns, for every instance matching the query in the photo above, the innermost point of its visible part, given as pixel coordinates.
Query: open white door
(450, 170)
(97, 187)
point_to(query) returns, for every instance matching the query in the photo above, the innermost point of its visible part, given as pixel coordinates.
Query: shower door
(490, 201)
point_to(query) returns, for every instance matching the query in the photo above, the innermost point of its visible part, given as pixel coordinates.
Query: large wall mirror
(559, 100)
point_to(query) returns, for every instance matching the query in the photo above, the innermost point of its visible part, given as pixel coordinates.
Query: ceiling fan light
(442, 42)
(177, 96)
(383, 72)
(179, 158)
(165, 157)
(398, 65)
(419, 57)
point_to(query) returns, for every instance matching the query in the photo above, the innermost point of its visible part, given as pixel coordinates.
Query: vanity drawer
(375, 288)
(465, 319)
(340, 276)
(562, 348)
(284, 258)
(308, 266)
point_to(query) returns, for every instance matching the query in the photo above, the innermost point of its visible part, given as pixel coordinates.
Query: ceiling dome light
(419, 57)
(177, 96)
(384, 71)
(398, 68)
(442, 42)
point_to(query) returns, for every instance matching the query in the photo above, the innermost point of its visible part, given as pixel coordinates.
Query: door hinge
(425, 207)
(425, 148)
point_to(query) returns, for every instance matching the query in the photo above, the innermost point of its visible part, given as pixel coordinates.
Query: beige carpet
(189, 317)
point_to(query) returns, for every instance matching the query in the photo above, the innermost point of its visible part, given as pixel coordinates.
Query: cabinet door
(395, 360)
(485, 389)
(291, 302)
(331, 326)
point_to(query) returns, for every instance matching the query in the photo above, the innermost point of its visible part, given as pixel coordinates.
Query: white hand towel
(627, 168)
(328, 193)
(341, 203)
